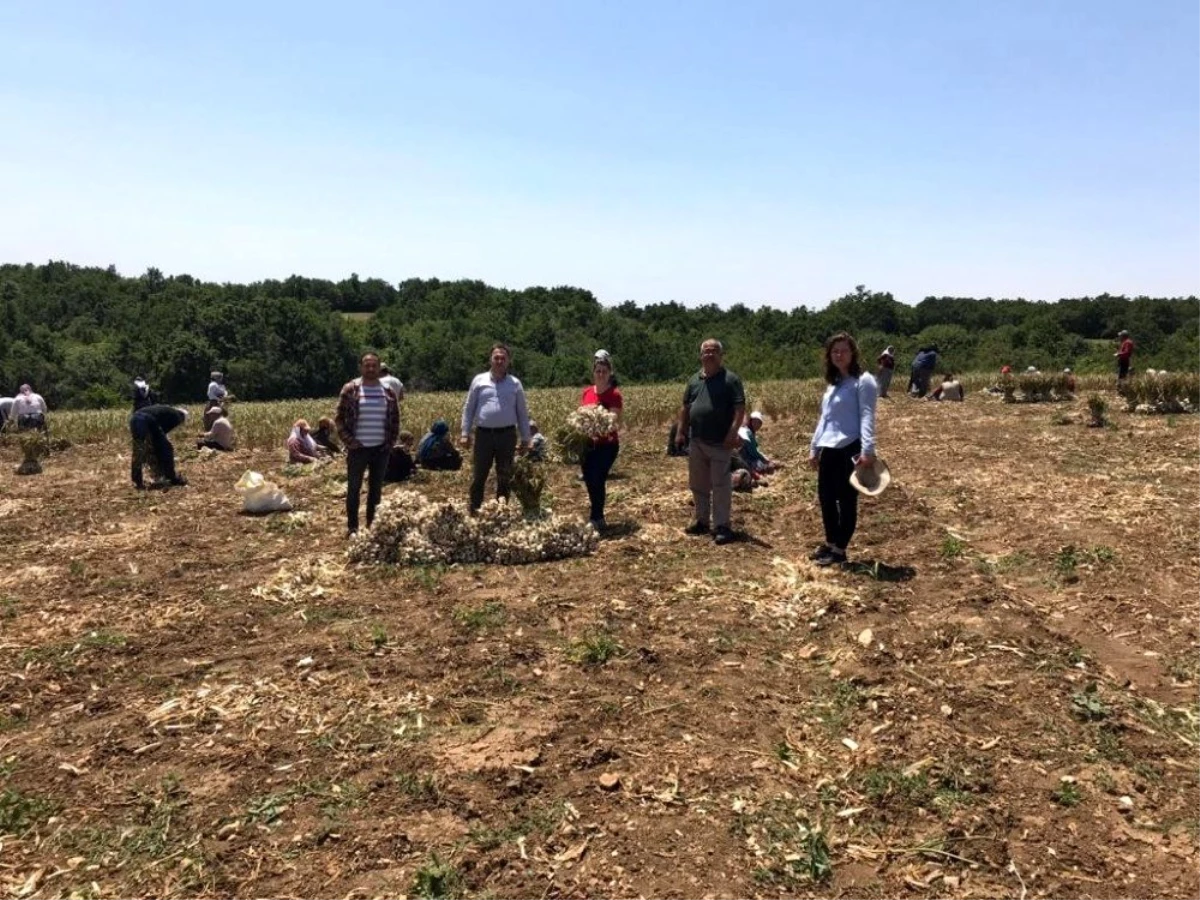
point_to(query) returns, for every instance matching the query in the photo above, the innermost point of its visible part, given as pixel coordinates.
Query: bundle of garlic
(410, 529)
(592, 422)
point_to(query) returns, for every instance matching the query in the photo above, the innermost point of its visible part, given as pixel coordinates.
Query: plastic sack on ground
(261, 496)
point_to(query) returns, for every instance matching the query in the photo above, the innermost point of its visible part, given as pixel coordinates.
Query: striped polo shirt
(371, 429)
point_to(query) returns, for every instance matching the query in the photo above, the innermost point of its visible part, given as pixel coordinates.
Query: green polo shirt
(711, 403)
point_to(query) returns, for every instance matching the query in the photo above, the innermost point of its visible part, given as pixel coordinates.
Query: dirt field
(998, 699)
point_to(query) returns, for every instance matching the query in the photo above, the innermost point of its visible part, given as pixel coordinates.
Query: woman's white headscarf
(300, 433)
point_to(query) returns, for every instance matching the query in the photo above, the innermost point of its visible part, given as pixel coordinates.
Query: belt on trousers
(491, 430)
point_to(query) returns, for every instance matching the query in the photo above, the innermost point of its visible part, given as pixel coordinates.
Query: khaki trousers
(709, 479)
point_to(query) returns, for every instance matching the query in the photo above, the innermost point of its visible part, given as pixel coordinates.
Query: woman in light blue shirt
(844, 437)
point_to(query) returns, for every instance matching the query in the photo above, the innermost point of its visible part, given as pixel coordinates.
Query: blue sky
(758, 152)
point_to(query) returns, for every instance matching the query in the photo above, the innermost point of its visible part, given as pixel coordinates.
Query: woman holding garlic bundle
(604, 444)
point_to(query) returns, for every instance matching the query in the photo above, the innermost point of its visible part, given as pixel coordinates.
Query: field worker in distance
(1124, 354)
(368, 422)
(601, 452)
(142, 394)
(1069, 378)
(949, 389)
(302, 447)
(220, 431)
(211, 415)
(152, 424)
(495, 407)
(400, 465)
(923, 365)
(324, 436)
(887, 368)
(6, 406)
(29, 409)
(844, 438)
(714, 403)
(1032, 370)
(756, 461)
(436, 450)
(217, 392)
(537, 442)
(388, 380)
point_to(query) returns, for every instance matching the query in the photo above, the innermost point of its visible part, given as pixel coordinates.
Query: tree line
(80, 334)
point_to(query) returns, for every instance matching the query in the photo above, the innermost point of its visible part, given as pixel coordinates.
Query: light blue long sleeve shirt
(495, 404)
(847, 415)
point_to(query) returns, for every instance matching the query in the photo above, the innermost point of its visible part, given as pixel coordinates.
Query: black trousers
(498, 446)
(144, 428)
(597, 463)
(839, 499)
(373, 462)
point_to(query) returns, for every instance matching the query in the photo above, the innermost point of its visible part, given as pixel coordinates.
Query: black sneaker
(832, 558)
(823, 550)
(179, 481)
(723, 535)
(696, 528)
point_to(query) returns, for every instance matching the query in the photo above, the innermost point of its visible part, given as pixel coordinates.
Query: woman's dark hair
(832, 374)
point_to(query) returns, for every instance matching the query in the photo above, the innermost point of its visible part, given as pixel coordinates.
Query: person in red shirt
(599, 457)
(1124, 355)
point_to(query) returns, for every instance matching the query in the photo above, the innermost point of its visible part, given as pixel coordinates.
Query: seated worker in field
(742, 477)
(29, 410)
(756, 461)
(219, 435)
(537, 443)
(325, 436)
(400, 463)
(302, 448)
(950, 389)
(674, 449)
(212, 414)
(437, 451)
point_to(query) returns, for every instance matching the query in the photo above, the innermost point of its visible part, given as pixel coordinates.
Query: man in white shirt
(390, 381)
(496, 409)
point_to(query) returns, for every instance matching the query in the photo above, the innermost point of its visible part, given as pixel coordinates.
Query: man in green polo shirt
(714, 404)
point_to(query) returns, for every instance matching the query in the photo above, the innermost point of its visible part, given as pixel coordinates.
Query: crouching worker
(301, 445)
(220, 431)
(148, 428)
(400, 461)
(437, 451)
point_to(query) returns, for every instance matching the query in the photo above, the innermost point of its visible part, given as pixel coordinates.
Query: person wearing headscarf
(220, 431)
(437, 451)
(886, 369)
(217, 392)
(148, 429)
(143, 395)
(324, 435)
(757, 462)
(302, 447)
(601, 453)
(29, 409)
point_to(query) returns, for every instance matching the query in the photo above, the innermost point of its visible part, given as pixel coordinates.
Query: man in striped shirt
(368, 422)
(496, 409)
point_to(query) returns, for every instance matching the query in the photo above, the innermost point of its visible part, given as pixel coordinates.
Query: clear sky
(775, 152)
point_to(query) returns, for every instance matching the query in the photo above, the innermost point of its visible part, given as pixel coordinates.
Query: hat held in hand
(871, 480)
